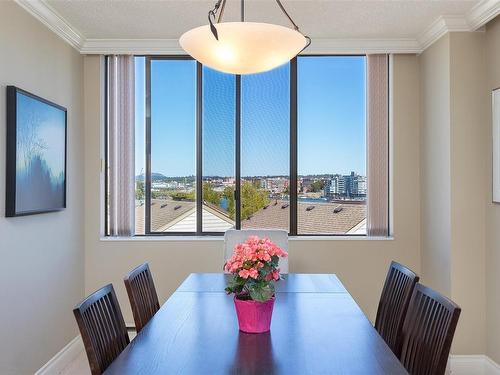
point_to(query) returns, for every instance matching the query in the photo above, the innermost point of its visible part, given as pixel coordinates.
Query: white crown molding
(443, 25)
(483, 12)
(131, 46)
(318, 46)
(53, 20)
(480, 14)
(360, 46)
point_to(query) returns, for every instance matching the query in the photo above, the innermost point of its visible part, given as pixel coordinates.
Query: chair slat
(102, 328)
(428, 332)
(142, 295)
(393, 304)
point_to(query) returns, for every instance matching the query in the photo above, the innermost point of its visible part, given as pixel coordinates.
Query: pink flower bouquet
(254, 266)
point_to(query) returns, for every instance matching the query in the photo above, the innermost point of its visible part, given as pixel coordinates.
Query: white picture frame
(495, 97)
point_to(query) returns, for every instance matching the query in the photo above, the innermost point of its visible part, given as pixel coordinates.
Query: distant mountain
(154, 177)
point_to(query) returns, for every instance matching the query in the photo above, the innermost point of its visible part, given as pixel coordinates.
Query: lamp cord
(294, 24)
(287, 15)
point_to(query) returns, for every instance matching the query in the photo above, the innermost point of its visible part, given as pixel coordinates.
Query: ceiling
(319, 19)
(101, 26)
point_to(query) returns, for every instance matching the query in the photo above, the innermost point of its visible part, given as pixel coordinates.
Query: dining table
(317, 328)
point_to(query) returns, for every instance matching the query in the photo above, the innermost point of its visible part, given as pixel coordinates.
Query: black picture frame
(12, 196)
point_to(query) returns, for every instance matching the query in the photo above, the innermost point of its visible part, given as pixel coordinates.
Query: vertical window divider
(237, 123)
(293, 148)
(147, 174)
(106, 147)
(199, 149)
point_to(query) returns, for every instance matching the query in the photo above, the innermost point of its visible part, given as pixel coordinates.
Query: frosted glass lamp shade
(243, 47)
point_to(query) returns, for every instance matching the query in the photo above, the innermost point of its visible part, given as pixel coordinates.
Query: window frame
(293, 163)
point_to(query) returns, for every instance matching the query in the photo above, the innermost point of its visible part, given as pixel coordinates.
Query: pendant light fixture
(243, 47)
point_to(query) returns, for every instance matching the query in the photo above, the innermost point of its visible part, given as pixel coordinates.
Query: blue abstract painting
(40, 155)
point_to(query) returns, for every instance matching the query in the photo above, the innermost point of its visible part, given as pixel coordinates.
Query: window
(284, 149)
(331, 144)
(265, 146)
(218, 163)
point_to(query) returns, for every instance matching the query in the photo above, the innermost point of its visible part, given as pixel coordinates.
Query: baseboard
(62, 359)
(473, 365)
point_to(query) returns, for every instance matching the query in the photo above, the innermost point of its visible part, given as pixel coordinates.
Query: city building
(345, 186)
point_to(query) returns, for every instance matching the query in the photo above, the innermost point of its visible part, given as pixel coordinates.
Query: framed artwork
(36, 154)
(496, 144)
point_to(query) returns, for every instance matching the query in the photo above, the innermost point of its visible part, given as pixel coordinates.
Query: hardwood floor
(80, 365)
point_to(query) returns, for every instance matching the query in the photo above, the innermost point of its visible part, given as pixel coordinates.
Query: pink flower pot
(254, 316)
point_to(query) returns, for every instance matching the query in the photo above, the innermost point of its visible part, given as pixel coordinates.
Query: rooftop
(312, 217)
(340, 217)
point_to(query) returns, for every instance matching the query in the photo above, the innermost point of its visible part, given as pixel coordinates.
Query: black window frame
(293, 165)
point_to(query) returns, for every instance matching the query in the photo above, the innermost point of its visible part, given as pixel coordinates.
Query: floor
(80, 365)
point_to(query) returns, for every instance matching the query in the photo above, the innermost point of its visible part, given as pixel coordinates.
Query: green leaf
(235, 285)
(275, 260)
(262, 292)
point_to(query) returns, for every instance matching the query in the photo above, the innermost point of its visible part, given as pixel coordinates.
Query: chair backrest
(102, 328)
(142, 295)
(393, 304)
(428, 332)
(232, 237)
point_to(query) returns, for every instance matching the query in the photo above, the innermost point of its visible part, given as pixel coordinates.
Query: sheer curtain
(121, 174)
(377, 138)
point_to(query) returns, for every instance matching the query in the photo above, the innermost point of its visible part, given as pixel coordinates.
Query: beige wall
(453, 177)
(469, 133)
(41, 275)
(435, 166)
(492, 209)
(361, 264)
(445, 226)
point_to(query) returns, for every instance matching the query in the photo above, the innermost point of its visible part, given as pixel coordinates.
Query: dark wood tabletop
(317, 328)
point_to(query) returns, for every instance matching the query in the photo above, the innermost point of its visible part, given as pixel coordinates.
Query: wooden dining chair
(142, 295)
(396, 294)
(102, 328)
(428, 331)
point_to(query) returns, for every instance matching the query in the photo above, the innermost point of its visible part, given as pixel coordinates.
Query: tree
(183, 195)
(139, 190)
(317, 186)
(252, 199)
(228, 194)
(210, 195)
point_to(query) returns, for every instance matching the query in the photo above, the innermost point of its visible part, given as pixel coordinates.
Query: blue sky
(331, 118)
(47, 124)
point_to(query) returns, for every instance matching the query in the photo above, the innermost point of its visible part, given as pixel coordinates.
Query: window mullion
(237, 192)
(199, 150)
(147, 174)
(293, 147)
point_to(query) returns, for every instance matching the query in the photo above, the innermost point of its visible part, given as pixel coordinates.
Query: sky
(331, 118)
(48, 126)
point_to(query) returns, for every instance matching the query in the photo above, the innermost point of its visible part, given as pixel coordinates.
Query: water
(224, 203)
(312, 200)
